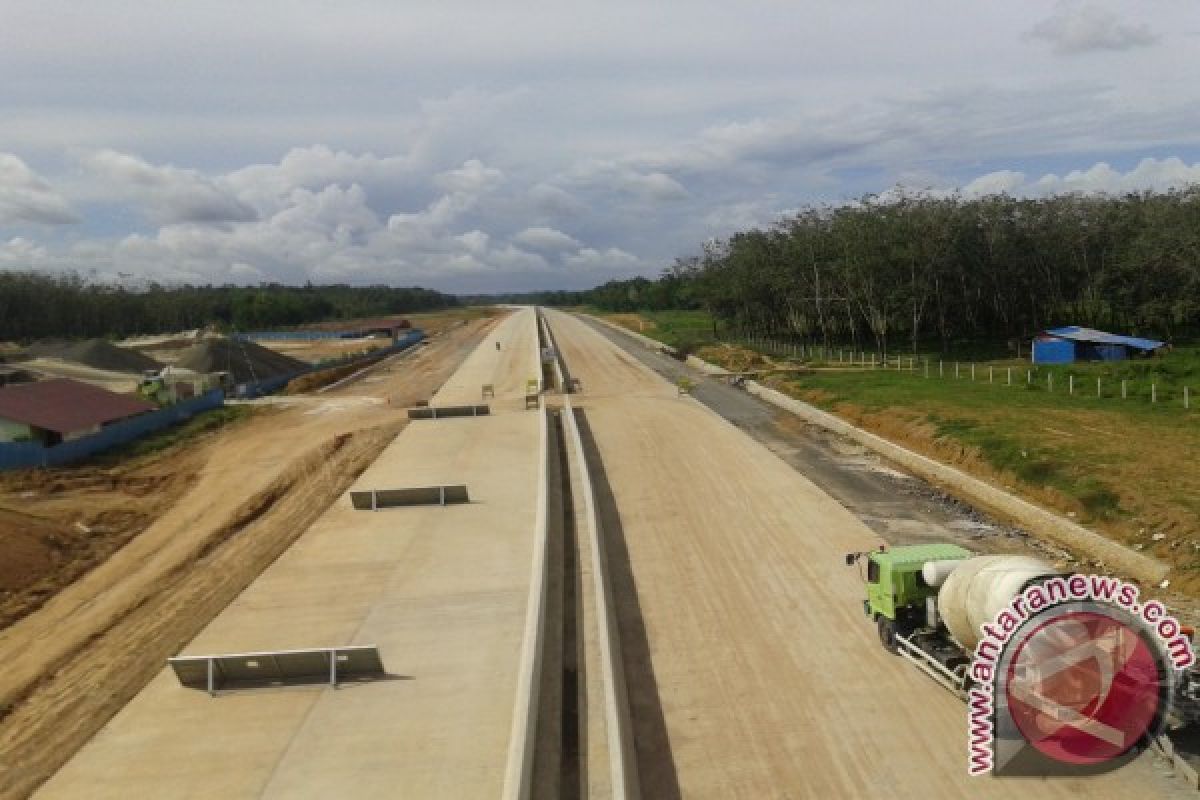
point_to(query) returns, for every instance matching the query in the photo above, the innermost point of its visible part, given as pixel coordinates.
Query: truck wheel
(887, 635)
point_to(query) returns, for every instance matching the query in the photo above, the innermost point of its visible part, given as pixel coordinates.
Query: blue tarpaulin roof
(1078, 334)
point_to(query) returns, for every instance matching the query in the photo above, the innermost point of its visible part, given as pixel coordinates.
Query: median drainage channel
(584, 742)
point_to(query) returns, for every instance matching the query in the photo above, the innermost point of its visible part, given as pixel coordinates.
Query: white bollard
(1070, 384)
(1010, 376)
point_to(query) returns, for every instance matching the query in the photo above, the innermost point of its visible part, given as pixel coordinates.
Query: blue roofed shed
(1073, 343)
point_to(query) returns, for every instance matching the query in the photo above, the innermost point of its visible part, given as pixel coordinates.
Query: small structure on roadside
(60, 410)
(1073, 343)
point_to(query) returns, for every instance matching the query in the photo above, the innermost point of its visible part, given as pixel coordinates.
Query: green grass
(176, 434)
(1082, 446)
(683, 329)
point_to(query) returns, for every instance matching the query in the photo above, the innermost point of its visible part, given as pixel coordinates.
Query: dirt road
(72, 664)
(752, 672)
(442, 592)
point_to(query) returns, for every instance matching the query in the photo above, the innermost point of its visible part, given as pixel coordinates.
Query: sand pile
(96, 353)
(244, 361)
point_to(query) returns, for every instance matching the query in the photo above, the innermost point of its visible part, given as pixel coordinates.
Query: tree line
(36, 305)
(912, 270)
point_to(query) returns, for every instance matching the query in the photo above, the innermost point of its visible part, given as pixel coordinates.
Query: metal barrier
(277, 667)
(375, 499)
(441, 412)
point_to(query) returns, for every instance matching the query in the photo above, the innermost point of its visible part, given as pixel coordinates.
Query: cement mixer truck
(928, 601)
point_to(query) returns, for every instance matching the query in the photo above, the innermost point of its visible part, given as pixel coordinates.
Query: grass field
(1123, 466)
(675, 328)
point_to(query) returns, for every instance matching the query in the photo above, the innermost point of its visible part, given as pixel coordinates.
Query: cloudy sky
(487, 146)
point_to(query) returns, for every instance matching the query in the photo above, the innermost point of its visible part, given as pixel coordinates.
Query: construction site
(533, 557)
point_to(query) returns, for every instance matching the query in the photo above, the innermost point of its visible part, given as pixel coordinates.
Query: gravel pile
(244, 361)
(96, 353)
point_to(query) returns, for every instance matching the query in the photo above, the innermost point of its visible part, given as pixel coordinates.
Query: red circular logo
(1083, 687)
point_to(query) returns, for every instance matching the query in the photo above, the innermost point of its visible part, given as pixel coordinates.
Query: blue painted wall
(1053, 351)
(23, 455)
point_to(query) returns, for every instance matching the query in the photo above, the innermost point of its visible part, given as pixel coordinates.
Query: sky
(509, 146)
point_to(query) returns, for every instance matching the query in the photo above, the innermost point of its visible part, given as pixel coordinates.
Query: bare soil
(56, 524)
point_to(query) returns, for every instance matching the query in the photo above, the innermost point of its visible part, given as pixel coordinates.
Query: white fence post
(972, 372)
(1010, 376)
(1097, 387)
(1070, 384)
(990, 375)
(1124, 394)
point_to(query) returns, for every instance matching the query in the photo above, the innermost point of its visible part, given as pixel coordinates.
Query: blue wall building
(1073, 343)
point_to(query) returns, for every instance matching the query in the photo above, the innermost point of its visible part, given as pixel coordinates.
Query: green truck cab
(896, 591)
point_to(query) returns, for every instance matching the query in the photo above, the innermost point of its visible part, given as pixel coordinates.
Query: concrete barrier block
(375, 499)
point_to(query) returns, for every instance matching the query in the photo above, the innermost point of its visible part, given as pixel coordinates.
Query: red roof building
(54, 410)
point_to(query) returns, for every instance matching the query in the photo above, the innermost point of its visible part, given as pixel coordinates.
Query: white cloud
(1149, 174)
(1087, 27)
(401, 146)
(26, 197)
(472, 178)
(651, 186)
(1004, 181)
(166, 194)
(546, 239)
(613, 259)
